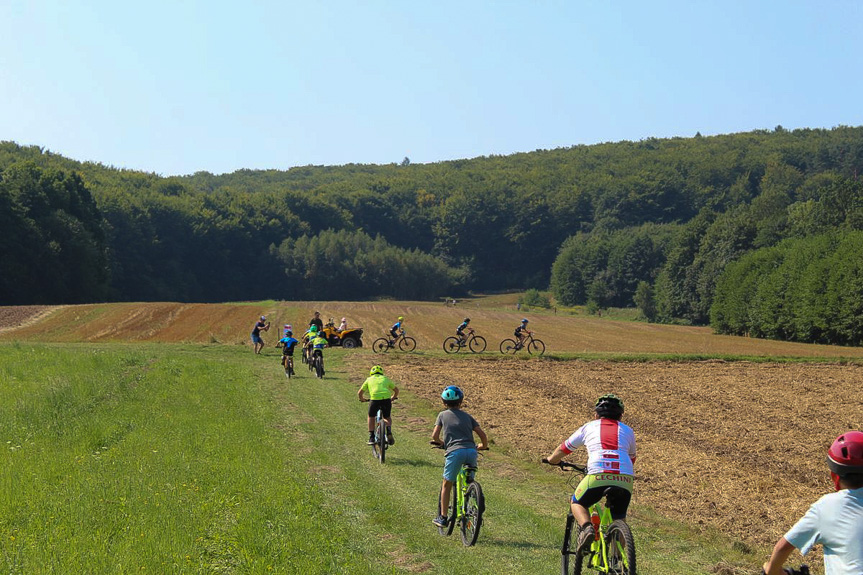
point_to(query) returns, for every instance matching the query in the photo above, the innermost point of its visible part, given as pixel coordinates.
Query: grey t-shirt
(456, 429)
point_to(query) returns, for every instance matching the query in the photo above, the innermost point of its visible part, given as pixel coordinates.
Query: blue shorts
(256, 339)
(455, 460)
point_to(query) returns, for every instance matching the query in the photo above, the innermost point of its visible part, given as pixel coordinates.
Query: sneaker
(440, 521)
(390, 439)
(372, 440)
(586, 536)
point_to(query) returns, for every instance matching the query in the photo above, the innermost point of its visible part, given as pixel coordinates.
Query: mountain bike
(381, 444)
(613, 549)
(384, 344)
(466, 505)
(475, 343)
(317, 364)
(534, 346)
(288, 363)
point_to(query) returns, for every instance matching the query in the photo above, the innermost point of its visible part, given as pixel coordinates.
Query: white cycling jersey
(610, 446)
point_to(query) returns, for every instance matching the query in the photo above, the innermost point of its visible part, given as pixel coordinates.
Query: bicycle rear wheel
(570, 563)
(508, 346)
(450, 344)
(477, 344)
(621, 548)
(381, 345)
(474, 506)
(536, 347)
(319, 367)
(407, 343)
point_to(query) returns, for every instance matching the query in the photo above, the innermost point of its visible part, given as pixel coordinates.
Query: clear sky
(174, 87)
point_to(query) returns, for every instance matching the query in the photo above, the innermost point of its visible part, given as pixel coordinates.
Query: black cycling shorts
(385, 405)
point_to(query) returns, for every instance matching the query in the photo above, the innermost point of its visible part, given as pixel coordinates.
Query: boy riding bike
(288, 343)
(610, 456)
(836, 520)
(382, 391)
(317, 344)
(458, 428)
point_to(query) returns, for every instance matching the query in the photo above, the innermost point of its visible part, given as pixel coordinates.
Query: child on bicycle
(459, 331)
(317, 343)
(521, 332)
(610, 456)
(382, 391)
(287, 343)
(457, 427)
(836, 520)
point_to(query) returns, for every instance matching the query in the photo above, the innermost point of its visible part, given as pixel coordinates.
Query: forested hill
(596, 221)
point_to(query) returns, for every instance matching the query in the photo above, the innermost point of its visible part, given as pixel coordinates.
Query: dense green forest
(653, 223)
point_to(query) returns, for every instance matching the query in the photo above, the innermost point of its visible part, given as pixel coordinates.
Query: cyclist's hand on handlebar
(434, 443)
(482, 447)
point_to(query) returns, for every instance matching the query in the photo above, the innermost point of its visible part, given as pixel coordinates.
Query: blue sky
(182, 86)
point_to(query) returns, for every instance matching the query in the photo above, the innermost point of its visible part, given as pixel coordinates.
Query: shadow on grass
(409, 462)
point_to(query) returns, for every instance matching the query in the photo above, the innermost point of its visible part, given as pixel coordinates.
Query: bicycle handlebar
(567, 465)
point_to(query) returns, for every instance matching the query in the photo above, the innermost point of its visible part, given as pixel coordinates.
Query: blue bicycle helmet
(524, 320)
(452, 393)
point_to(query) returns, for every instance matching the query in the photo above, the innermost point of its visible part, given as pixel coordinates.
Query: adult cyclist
(459, 331)
(836, 520)
(396, 330)
(610, 456)
(521, 333)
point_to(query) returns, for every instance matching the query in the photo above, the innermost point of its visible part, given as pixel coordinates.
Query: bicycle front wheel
(474, 506)
(477, 344)
(407, 343)
(381, 345)
(536, 347)
(570, 562)
(450, 344)
(508, 346)
(621, 548)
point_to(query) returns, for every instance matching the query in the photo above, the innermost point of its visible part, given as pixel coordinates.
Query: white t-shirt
(836, 522)
(610, 446)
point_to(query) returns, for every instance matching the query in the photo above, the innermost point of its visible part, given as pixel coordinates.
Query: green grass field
(165, 458)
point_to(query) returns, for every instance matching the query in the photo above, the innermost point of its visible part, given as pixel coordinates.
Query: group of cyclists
(835, 520)
(312, 342)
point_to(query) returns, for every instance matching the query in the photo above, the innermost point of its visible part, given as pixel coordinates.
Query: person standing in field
(317, 321)
(261, 325)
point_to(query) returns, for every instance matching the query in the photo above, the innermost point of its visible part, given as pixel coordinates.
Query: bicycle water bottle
(594, 518)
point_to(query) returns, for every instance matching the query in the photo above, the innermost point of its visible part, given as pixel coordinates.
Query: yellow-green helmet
(376, 370)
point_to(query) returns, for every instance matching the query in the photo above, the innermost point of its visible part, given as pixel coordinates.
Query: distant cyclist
(610, 456)
(459, 331)
(521, 332)
(382, 391)
(836, 520)
(261, 325)
(317, 344)
(396, 330)
(287, 343)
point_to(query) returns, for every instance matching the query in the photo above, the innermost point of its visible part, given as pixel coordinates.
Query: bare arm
(482, 437)
(556, 456)
(360, 395)
(436, 434)
(780, 554)
(396, 392)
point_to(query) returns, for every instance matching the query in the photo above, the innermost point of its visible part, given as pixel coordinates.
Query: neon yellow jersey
(319, 342)
(378, 387)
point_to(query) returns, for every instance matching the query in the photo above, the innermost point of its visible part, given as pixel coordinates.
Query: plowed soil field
(734, 445)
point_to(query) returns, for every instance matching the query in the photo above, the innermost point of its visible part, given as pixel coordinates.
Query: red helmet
(845, 456)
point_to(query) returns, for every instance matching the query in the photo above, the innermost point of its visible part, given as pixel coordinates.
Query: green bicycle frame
(599, 549)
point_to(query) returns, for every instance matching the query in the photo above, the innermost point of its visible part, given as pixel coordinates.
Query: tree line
(654, 222)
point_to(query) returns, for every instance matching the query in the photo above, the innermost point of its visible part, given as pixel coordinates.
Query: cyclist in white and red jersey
(610, 456)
